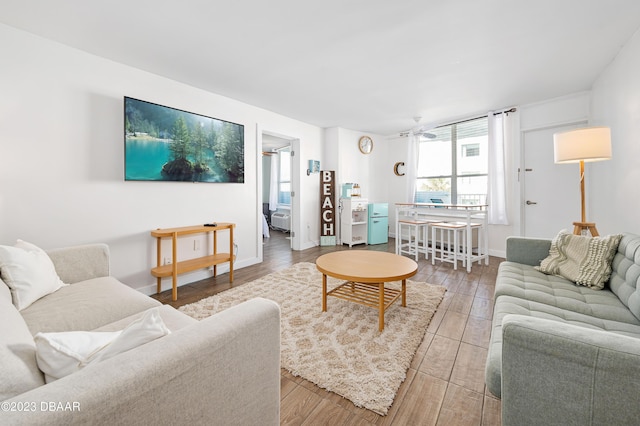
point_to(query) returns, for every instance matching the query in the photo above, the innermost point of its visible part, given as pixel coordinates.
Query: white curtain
(273, 186)
(499, 134)
(411, 166)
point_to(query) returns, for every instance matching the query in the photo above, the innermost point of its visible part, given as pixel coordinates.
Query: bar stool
(482, 252)
(412, 247)
(453, 234)
(456, 239)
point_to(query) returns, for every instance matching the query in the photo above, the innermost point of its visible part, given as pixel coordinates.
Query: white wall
(62, 159)
(396, 185)
(614, 183)
(555, 112)
(341, 154)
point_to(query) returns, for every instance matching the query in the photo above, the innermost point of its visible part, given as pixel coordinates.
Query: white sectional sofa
(223, 370)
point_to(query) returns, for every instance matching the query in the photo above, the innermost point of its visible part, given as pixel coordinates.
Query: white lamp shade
(588, 144)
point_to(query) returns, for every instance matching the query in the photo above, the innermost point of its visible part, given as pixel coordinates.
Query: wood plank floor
(445, 383)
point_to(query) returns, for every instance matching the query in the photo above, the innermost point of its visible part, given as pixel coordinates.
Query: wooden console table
(179, 267)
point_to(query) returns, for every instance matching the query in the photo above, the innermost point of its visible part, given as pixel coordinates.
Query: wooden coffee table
(365, 273)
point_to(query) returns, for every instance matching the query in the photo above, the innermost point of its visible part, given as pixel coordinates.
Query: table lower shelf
(191, 265)
(365, 294)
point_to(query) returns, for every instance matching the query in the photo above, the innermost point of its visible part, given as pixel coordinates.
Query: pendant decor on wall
(327, 209)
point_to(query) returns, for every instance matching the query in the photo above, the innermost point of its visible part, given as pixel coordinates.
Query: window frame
(474, 148)
(454, 176)
(282, 181)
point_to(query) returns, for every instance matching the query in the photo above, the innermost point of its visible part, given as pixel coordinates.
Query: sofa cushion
(625, 278)
(505, 305)
(80, 263)
(512, 305)
(18, 367)
(172, 318)
(64, 353)
(525, 282)
(581, 259)
(85, 306)
(29, 273)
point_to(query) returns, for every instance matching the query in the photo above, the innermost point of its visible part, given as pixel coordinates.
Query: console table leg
(174, 290)
(174, 260)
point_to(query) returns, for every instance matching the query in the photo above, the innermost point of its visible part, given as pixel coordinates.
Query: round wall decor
(365, 144)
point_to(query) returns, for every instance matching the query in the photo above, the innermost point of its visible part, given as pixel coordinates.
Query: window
(471, 150)
(453, 166)
(284, 177)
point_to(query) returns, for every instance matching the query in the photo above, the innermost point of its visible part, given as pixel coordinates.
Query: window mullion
(454, 164)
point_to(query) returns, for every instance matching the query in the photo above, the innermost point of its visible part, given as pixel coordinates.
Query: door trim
(294, 144)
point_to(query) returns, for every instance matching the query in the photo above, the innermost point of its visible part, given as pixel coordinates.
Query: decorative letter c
(395, 168)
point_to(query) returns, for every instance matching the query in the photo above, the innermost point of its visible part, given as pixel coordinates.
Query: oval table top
(366, 266)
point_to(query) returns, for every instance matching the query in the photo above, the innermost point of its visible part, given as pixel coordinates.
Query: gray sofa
(563, 354)
(223, 370)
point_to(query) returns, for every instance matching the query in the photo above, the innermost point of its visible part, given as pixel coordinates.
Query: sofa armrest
(529, 251)
(223, 370)
(560, 374)
(80, 263)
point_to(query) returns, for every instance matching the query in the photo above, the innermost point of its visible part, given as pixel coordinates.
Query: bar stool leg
(455, 249)
(425, 241)
(416, 229)
(465, 246)
(462, 241)
(434, 236)
(469, 248)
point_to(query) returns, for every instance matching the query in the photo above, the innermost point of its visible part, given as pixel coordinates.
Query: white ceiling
(368, 65)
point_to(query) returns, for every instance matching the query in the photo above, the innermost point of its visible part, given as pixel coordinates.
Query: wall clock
(365, 144)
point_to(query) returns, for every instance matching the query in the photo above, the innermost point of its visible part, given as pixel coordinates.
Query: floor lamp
(578, 146)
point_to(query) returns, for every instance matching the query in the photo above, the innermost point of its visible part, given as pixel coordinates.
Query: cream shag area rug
(340, 350)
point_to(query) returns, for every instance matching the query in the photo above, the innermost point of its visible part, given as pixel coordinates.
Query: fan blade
(427, 135)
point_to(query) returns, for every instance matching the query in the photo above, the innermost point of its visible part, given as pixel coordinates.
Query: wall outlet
(167, 261)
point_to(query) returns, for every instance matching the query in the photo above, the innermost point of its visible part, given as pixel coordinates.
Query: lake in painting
(145, 158)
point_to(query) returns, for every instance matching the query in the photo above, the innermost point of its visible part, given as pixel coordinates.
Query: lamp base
(578, 227)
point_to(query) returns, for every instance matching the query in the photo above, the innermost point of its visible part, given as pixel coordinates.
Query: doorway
(277, 180)
(550, 192)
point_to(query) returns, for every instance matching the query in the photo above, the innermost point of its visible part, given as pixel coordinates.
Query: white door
(551, 192)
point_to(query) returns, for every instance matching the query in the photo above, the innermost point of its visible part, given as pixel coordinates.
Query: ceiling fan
(420, 130)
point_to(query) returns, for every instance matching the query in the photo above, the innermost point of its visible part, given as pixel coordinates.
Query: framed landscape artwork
(168, 144)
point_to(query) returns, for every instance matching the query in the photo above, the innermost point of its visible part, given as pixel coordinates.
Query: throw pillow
(63, 353)
(29, 273)
(581, 259)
